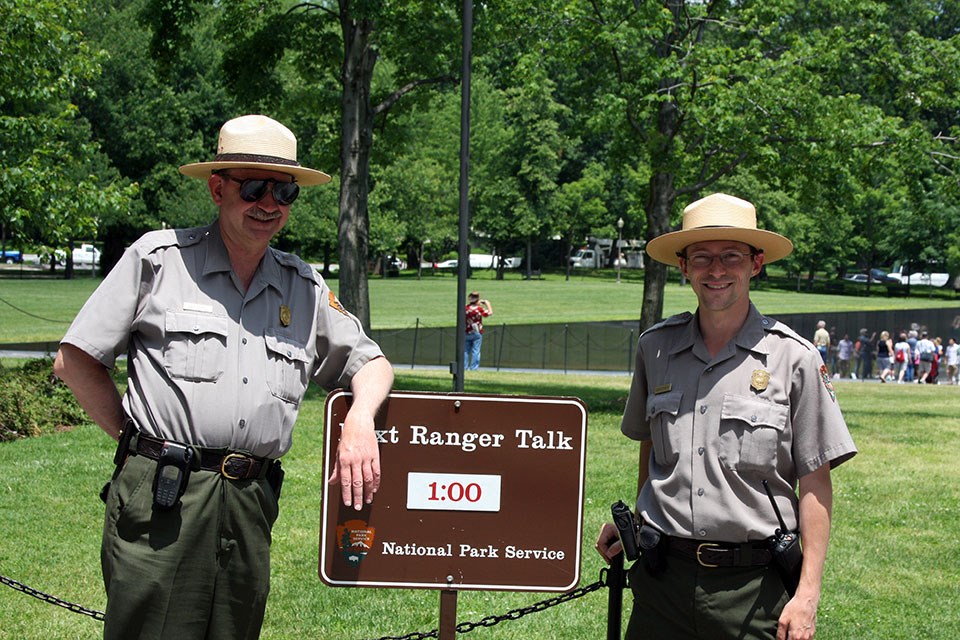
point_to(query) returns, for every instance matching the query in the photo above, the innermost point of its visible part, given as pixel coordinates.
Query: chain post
(616, 580)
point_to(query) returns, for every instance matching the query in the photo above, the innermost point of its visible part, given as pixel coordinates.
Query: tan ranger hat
(719, 217)
(256, 142)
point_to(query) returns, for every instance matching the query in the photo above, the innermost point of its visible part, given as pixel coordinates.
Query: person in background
(844, 356)
(885, 357)
(865, 347)
(901, 357)
(926, 356)
(476, 310)
(723, 400)
(821, 340)
(222, 334)
(951, 354)
(912, 361)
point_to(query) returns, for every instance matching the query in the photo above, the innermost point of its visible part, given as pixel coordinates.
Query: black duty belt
(721, 554)
(233, 465)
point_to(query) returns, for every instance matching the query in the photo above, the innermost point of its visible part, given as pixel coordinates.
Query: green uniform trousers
(200, 570)
(690, 602)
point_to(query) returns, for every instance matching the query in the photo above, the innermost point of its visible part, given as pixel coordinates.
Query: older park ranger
(723, 401)
(223, 334)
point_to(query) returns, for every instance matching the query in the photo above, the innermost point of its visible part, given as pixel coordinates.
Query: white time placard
(453, 491)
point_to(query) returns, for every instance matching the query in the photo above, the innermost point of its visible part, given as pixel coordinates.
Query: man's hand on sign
(358, 456)
(608, 542)
(358, 460)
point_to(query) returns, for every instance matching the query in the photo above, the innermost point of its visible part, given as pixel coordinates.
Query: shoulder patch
(774, 326)
(672, 321)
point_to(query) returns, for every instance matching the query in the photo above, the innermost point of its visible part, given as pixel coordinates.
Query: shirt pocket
(750, 433)
(196, 345)
(662, 411)
(287, 362)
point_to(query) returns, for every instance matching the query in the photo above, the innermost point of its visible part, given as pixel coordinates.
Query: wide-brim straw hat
(719, 217)
(256, 142)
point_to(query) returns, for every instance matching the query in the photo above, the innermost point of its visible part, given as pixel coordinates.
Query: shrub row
(33, 401)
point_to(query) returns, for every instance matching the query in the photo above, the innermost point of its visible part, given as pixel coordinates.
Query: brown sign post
(477, 492)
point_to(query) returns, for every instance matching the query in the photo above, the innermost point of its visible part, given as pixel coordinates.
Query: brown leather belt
(721, 554)
(233, 465)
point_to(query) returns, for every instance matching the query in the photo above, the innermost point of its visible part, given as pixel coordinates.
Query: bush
(33, 401)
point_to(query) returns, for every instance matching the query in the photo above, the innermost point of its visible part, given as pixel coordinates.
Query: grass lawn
(893, 569)
(41, 310)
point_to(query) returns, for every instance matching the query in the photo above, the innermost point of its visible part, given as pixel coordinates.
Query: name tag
(664, 388)
(195, 306)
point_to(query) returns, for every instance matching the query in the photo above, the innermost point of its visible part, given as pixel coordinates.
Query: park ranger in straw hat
(726, 402)
(223, 333)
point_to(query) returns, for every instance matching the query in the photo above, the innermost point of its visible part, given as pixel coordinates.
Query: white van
(86, 255)
(929, 279)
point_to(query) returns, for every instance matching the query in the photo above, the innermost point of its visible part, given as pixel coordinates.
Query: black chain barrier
(515, 614)
(463, 627)
(46, 597)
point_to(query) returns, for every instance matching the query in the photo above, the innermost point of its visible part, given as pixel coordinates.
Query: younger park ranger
(726, 403)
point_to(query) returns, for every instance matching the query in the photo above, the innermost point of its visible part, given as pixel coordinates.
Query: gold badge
(760, 379)
(285, 315)
(664, 388)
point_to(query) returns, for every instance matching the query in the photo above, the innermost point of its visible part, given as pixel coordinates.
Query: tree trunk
(662, 188)
(356, 139)
(662, 196)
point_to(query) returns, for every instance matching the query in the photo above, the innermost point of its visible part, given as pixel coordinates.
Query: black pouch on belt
(652, 550)
(275, 478)
(123, 446)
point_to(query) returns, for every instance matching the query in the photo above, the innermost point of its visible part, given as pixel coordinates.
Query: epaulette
(672, 321)
(162, 238)
(303, 269)
(774, 326)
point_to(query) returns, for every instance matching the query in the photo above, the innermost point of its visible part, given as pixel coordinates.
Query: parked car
(927, 276)
(395, 264)
(879, 275)
(86, 255)
(11, 256)
(585, 258)
(482, 261)
(592, 259)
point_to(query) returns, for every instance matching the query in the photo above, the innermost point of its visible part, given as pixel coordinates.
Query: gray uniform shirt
(209, 364)
(763, 408)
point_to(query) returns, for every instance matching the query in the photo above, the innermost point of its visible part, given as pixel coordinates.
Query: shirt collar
(218, 261)
(752, 336)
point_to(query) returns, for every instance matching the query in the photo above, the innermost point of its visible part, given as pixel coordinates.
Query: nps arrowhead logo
(354, 540)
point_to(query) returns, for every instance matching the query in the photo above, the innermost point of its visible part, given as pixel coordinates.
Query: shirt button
(699, 492)
(244, 380)
(243, 423)
(753, 418)
(703, 409)
(703, 533)
(709, 369)
(700, 450)
(244, 341)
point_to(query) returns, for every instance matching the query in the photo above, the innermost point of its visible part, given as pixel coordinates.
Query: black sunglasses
(252, 189)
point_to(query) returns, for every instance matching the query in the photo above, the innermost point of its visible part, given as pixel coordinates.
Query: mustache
(262, 214)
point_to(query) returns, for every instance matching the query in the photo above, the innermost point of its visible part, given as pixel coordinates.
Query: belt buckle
(700, 549)
(223, 465)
